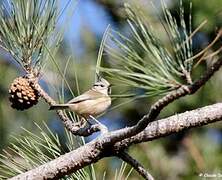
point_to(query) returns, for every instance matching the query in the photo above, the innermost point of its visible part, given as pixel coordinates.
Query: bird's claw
(103, 128)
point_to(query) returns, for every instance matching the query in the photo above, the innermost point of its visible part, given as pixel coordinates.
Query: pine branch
(174, 124)
(26, 26)
(136, 165)
(163, 102)
(143, 61)
(100, 147)
(97, 149)
(31, 150)
(162, 74)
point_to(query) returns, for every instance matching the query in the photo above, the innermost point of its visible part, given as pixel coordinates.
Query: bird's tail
(58, 107)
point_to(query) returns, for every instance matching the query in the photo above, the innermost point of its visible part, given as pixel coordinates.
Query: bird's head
(103, 86)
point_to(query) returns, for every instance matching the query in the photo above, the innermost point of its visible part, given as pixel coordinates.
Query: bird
(91, 103)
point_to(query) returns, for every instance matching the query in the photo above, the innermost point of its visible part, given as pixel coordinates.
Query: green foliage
(119, 174)
(25, 26)
(143, 61)
(31, 150)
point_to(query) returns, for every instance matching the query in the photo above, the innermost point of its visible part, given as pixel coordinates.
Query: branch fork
(112, 143)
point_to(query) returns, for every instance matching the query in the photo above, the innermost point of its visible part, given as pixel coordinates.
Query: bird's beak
(109, 89)
(98, 77)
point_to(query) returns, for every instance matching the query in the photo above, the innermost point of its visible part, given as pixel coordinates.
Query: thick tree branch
(97, 149)
(163, 102)
(65, 164)
(136, 165)
(173, 124)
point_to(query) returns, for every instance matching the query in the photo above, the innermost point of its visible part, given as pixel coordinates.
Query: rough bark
(97, 149)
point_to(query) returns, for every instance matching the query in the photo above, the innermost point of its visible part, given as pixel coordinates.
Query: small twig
(187, 76)
(192, 34)
(207, 56)
(136, 165)
(206, 48)
(194, 153)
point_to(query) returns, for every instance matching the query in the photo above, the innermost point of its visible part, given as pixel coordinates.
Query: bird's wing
(89, 95)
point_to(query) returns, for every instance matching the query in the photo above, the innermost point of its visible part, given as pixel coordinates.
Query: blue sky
(88, 14)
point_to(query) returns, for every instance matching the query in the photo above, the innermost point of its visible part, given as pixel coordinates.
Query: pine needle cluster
(25, 28)
(143, 61)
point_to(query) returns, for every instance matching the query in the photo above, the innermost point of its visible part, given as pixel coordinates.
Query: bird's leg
(82, 122)
(88, 121)
(95, 120)
(103, 128)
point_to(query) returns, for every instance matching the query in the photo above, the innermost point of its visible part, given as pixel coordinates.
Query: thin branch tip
(135, 164)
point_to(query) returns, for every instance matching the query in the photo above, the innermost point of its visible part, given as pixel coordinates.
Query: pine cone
(22, 94)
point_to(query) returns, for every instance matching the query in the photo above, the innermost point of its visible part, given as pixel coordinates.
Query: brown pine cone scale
(22, 95)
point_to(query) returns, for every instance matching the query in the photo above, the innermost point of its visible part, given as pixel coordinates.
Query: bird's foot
(82, 123)
(102, 127)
